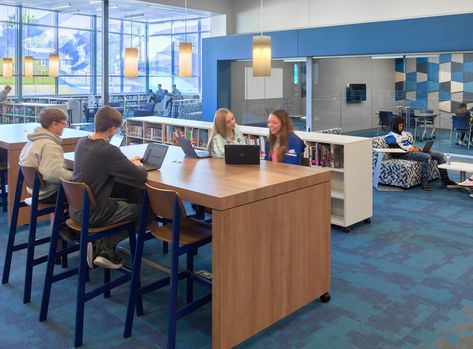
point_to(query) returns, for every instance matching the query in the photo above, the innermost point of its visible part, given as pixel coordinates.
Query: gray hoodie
(44, 152)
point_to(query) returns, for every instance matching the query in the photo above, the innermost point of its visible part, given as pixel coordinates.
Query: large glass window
(163, 53)
(8, 30)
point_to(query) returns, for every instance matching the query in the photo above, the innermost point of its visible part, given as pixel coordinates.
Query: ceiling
(149, 12)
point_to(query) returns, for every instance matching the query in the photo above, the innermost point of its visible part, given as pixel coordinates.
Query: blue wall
(432, 34)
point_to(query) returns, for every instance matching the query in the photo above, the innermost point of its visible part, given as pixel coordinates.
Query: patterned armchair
(399, 172)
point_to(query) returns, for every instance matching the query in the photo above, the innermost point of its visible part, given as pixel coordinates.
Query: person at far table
(224, 131)
(4, 94)
(397, 138)
(97, 163)
(175, 92)
(44, 152)
(284, 145)
(462, 111)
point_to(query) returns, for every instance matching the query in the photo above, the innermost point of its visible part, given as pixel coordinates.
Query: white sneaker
(467, 183)
(90, 255)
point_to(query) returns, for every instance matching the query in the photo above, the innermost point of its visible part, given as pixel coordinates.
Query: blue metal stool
(3, 186)
(33, 180)
(186, 235)
(79, 197)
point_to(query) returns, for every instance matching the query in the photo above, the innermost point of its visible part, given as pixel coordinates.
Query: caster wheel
(325, 298)
(346, 230)
(368, 220)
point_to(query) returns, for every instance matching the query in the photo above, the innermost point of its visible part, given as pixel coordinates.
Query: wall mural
(435, 83)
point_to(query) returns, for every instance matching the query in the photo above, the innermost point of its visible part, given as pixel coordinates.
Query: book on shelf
(325, 155)
(203, 138)
(153, 133)
(172, 132)
(134, 130)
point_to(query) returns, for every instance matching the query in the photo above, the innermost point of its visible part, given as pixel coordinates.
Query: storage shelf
(338, 194)
(338, 220)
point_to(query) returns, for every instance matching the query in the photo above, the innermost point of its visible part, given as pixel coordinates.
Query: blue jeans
(424, 158)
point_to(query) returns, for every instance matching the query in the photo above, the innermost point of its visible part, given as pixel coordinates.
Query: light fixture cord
(261, 18)
(185, 20)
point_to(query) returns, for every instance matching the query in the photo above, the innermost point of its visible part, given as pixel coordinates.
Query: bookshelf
(15, 113)
(349, 159)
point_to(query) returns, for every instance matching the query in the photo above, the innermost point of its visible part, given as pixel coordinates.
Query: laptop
(427, 147)
(189, 150)
(154, 156)
(242, 154)
(116, 140)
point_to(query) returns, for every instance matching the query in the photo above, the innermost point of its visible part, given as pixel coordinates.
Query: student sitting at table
(44, 152)
(397, 138)
(463, 112)
(224, 131)
(284, 145)
(97, 163)
(4, 94)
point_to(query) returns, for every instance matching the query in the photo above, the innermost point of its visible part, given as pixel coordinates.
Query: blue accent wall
(432, 34)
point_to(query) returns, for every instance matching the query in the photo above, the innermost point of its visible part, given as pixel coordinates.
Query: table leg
(377, 170)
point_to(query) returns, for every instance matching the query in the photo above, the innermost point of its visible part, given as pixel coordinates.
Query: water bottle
(448, 158)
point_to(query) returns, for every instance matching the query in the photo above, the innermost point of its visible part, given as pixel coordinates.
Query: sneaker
(103, 260)
(426, 187)
(90, 255)
(467, 183)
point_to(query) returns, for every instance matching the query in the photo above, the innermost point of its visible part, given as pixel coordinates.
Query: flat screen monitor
(356, 93)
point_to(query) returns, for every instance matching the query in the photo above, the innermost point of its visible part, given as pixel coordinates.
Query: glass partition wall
(77, 40)
(355, 94)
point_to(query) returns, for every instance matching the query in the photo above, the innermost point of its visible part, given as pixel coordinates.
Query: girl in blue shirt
(284, 145)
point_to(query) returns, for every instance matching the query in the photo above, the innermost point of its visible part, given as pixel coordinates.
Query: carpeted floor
(403, 281)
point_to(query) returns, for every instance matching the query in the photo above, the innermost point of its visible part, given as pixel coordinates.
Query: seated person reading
(97, 163)
(224, 131)
(44, 152)
(397, 138)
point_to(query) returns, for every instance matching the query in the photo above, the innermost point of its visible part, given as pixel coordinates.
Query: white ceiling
(118, 8)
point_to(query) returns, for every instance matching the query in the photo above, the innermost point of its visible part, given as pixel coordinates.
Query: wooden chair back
(74, 192)
(29, 175)
(162, 202)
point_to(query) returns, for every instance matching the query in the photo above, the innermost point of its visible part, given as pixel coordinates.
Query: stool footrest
(194, 305)
(40, 260)
(107, 287)
(65, 275)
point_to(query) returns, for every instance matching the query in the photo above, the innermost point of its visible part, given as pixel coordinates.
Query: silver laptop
(154, 156)
(190, 151)
(117, 140)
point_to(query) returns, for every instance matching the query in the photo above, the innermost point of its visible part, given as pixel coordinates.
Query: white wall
(329, 94)
(284, 15)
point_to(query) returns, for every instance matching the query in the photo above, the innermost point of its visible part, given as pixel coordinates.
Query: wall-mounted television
(356, 93)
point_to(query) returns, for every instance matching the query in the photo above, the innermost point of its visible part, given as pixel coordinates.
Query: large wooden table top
(14, 136)
(212, 183)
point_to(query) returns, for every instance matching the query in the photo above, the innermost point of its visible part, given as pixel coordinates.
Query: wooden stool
(80, 197)
(33, 180)
(186, 235)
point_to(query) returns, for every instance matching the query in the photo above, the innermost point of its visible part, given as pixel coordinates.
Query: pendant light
(54, 65)
(261, 51)
(185, 52)
(28, 67)
(131, 58)
(28, 61)
(7, 63)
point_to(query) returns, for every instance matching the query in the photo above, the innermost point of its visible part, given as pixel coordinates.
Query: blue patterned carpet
(403, 281)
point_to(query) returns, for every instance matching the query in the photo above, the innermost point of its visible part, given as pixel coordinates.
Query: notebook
(154, 156)
(189, 150)
(242, 154)
(427, 147)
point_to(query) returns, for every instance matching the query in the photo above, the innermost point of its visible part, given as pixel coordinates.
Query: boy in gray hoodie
(44, 152)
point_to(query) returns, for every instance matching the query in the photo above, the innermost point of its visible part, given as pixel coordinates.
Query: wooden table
(12, 139)
(271, 236)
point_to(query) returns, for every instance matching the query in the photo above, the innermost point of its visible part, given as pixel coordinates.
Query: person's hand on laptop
(136, 160)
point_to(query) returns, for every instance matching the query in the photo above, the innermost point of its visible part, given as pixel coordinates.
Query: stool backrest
(29, 175)
(74, 192)
(162, 202)
(460, 122)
